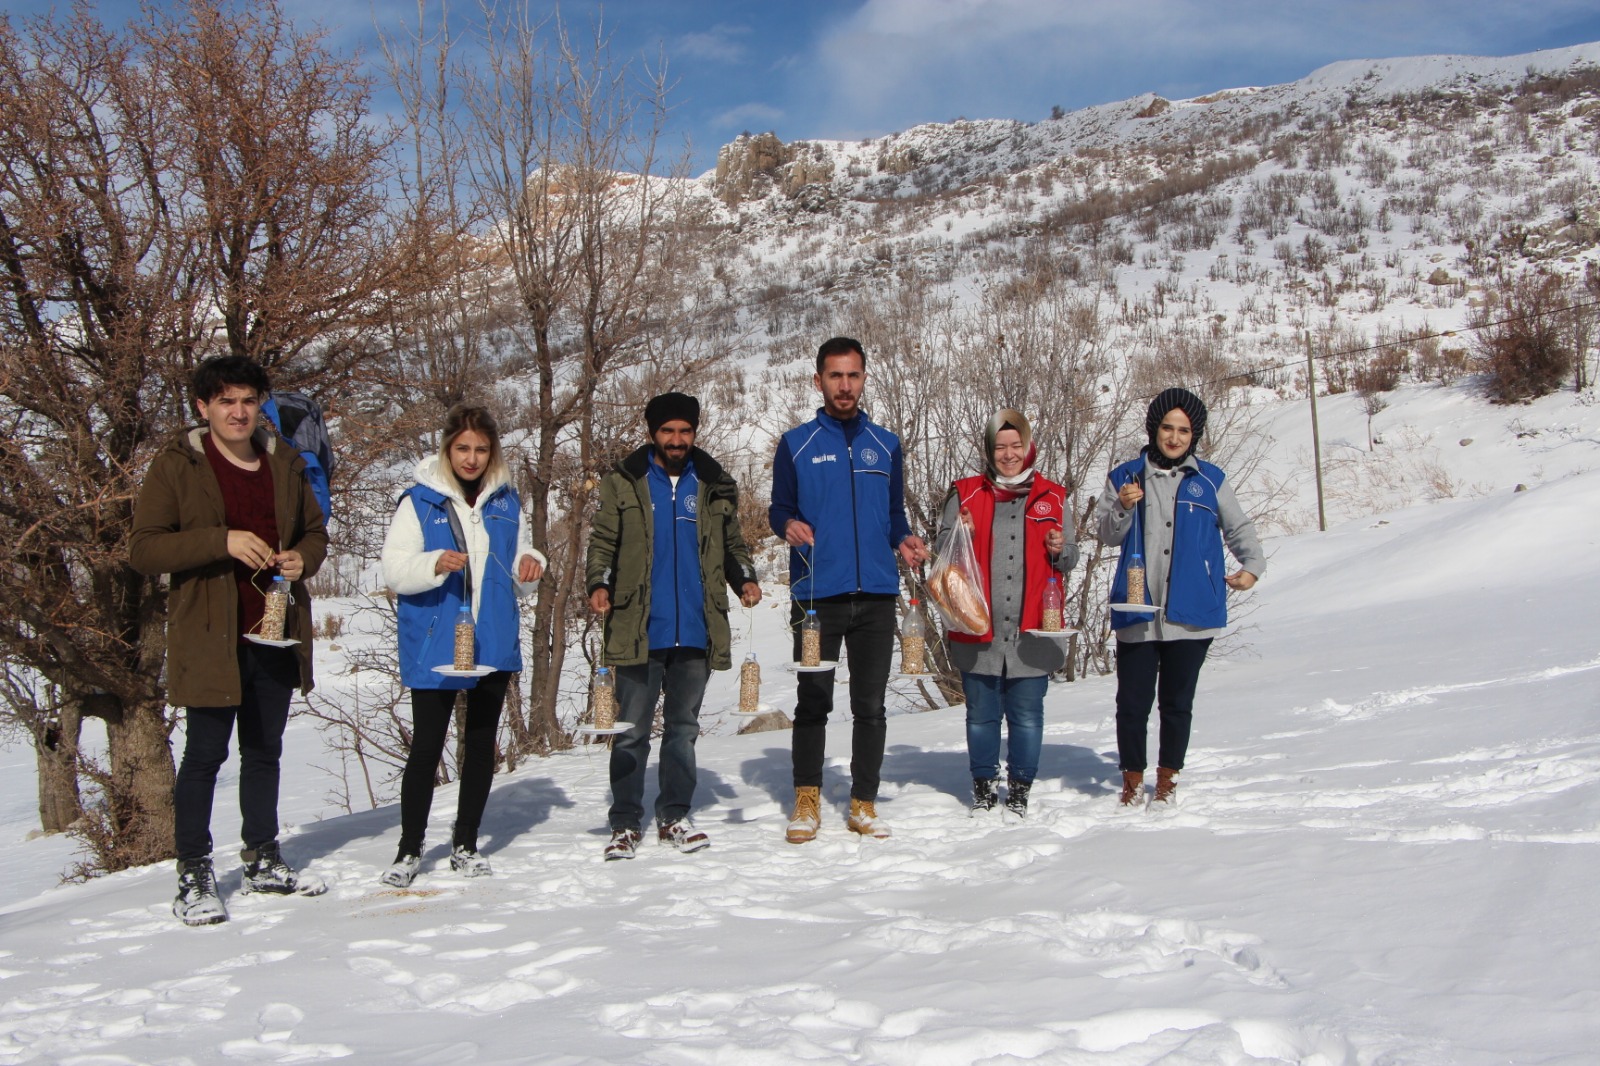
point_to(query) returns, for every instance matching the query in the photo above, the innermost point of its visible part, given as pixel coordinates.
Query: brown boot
(1166, 787)
(807, 817)
(1132, 788)
(864, 819)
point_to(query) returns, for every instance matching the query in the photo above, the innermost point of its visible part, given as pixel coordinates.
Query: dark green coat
(620, 556)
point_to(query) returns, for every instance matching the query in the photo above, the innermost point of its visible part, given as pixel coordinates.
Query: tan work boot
(1166, 787)
(1132, 788)
(807, 816)
(864, 819)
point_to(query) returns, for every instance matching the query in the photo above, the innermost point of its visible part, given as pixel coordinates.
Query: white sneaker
(624, 844)
(403, 872)
(683, 835)
(467, 862)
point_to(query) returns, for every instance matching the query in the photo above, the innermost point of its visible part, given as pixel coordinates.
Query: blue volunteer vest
(427, 620)
(1196, 594)
(677, 590)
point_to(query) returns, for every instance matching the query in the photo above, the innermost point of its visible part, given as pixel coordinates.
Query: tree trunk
(56, 754)
(138, 735)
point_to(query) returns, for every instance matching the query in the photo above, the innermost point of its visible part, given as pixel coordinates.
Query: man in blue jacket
(838, 499)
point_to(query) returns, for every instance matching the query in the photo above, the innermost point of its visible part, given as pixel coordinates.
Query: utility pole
(1316, 436)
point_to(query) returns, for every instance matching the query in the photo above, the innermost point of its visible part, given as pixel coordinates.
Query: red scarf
(1044, 511)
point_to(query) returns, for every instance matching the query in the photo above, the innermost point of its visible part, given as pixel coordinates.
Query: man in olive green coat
(664, 551)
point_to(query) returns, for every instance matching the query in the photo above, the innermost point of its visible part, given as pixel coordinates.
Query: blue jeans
(1020, 700)
(267, 680)
(679, 675)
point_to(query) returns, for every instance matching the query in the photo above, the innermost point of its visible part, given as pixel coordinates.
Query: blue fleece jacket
(846, 480)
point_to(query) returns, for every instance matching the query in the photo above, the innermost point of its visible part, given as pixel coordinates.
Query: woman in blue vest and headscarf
(457, 539)
(1183, 511)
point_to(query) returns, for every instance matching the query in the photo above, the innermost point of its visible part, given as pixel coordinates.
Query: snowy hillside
(1382, 855)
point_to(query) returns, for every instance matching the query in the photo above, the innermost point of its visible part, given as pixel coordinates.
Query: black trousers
(864, 624)
(267, 679)
(1165, 671)
(431, 711)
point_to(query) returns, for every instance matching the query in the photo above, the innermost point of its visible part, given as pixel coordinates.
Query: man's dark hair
(840, 346)
(217, 373)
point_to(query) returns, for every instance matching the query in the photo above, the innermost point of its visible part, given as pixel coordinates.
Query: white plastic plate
(476, 671)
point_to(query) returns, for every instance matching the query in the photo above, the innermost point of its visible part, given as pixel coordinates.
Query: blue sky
(844, 69)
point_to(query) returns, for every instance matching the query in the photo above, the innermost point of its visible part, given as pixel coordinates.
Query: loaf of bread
(961, 599)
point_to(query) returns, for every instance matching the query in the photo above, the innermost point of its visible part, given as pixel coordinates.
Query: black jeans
(431, 711)
(1146, 669)
(267, 680)
(679, 673)
(864, 624)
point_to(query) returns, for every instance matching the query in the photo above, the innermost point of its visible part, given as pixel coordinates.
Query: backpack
(299, 419)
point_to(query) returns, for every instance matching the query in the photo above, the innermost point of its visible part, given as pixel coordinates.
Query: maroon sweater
(247, 502)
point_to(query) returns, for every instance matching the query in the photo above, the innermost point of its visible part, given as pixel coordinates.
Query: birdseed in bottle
(276, 610)
(750, 685)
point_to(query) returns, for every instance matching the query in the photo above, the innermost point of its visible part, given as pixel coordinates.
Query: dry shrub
(1523, 347)
(115, 831)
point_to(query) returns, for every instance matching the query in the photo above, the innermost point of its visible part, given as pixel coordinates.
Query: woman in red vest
(1016, 519)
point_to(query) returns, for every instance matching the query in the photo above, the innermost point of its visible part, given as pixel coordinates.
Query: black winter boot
(1017, 796)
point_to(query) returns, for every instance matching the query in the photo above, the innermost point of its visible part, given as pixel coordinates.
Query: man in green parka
(664, 551)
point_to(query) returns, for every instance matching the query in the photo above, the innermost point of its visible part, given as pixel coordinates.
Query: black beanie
(672, 407)
(1179, 399)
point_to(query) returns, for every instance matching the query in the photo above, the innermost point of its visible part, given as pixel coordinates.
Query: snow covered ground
(1386, 852)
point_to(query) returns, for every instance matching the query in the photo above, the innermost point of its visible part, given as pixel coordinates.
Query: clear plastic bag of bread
(956, 585)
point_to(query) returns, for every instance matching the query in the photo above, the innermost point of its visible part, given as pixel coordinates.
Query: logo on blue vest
(869, 456)
(691, 504)
(1195, 490)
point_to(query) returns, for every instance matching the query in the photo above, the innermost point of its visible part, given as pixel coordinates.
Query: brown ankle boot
(1166, 787)
(807, 816)
(1132, 788)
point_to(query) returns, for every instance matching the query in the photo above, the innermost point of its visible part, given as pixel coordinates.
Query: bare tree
(187, 185)
(563, 152)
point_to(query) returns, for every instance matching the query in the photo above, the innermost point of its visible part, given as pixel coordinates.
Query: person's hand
(290, 565)
(449, 562)
(751, 594)
(1243, 581)
(529, 570)
(1054, 540)
(798, 534)
(966, 517)
(249, 549)
(1129, 495)
(913, 550)
(600, 601)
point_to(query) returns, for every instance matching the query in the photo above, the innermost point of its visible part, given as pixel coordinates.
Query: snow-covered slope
(1385, 853)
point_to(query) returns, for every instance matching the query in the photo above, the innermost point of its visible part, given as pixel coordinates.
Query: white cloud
(719, 44)
(892, 63)
(747, 116)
